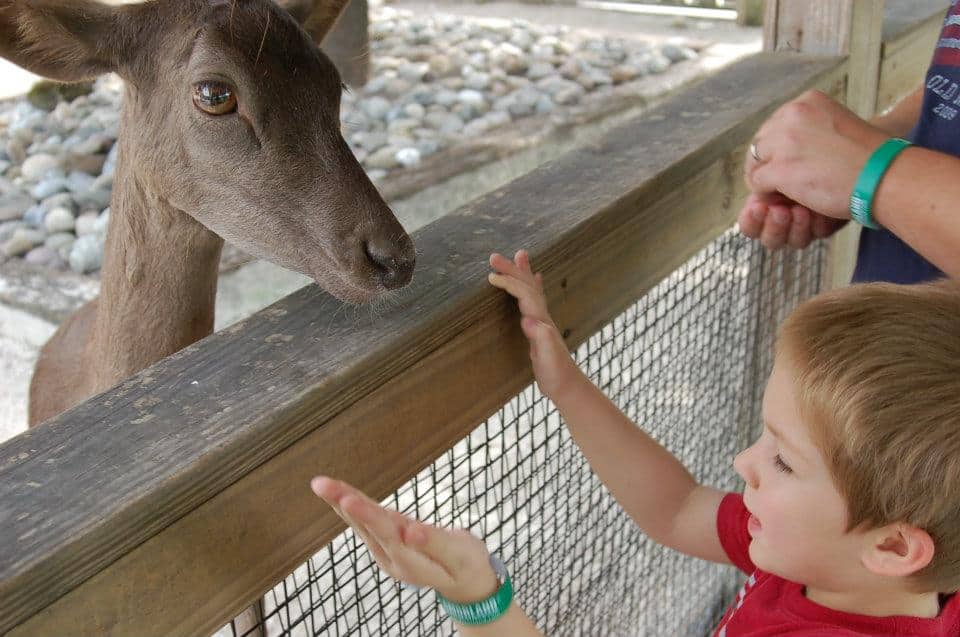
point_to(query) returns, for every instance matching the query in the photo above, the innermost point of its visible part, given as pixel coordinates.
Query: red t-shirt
(768, 605)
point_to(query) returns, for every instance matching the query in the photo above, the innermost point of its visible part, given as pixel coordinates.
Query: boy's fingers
(373, 525)
(448, 549)
(373, 545)
(327, 488)
(522, 259)
(386, 531)
(414, 562)
(503, 265)
(512, 285)
(515, 267)
(330, 491)
(357, 510)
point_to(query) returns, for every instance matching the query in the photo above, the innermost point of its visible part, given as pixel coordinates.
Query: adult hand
(455, 563)
(552, 364)
(777, 221)
(811, 151)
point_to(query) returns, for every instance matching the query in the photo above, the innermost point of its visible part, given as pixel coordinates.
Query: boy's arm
(651, 485)
(452, 562)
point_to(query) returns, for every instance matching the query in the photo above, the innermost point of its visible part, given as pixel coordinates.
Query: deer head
(231, 115)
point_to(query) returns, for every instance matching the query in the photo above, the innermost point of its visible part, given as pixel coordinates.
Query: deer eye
(214, 98)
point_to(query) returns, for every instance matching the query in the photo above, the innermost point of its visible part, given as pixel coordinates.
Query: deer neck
(158, 281)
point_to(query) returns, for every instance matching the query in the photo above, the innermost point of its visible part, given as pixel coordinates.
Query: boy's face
(799, 518)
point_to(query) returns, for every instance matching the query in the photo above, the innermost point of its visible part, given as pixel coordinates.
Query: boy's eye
(781, 465)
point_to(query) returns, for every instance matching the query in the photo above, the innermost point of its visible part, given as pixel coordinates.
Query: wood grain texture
(907, 53)
(812, 26)
(185, 487)
(902, 16)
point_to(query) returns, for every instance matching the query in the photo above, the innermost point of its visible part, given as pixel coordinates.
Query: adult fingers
(800, 233)
(751, 218)
(776, 228)
(824, 226)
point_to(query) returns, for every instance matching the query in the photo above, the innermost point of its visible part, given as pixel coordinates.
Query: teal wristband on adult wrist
(861, 199)
(486, 610)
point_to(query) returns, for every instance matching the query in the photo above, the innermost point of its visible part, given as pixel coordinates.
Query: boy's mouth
(753, 525)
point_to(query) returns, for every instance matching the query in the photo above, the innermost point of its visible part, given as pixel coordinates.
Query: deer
(229, 130)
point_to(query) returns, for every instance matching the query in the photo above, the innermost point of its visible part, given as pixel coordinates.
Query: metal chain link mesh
(688, 362)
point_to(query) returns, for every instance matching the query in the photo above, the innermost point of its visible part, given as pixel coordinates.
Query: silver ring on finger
(754, 152)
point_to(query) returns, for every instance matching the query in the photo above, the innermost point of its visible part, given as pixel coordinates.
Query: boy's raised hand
(551, 359)
(455, 563)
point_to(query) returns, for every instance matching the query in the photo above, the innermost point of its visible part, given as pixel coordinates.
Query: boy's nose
(744, 467)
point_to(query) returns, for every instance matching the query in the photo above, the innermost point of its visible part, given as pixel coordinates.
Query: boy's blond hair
(878, 381)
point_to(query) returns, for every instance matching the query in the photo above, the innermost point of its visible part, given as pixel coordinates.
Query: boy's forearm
(648, 481)
(514, 623)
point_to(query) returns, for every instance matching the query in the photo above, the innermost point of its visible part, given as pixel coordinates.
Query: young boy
(849, 523)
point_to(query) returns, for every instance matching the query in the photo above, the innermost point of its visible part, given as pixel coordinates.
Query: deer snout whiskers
(394, 267)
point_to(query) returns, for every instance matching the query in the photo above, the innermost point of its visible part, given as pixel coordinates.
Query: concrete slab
(21, 337)
(14, 80)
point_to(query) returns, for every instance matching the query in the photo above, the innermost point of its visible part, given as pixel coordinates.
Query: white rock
(36, 166)
(59, 220)
(86, 254)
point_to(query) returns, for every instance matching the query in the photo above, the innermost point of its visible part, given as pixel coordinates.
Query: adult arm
(814, 150)
(777, 220)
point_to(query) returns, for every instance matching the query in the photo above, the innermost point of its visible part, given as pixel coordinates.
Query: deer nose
(394, 268)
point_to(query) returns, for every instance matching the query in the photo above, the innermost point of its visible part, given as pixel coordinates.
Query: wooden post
(834, 27)
(749, 13)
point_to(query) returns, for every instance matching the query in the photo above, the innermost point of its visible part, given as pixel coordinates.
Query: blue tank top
(881, 255)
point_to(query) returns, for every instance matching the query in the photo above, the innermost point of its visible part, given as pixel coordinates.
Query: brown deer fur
(275, 177)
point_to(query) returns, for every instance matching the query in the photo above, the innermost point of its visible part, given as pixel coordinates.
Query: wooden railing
(173, 500)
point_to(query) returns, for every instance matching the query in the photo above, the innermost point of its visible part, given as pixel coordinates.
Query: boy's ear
(316, 17)
(72, 40)
(897, 550)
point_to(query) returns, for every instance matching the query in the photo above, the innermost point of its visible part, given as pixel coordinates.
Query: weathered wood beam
(909, 36)
(170, 502)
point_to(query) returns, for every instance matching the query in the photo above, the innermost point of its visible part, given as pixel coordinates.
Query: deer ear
(69, 40)
(317, 17)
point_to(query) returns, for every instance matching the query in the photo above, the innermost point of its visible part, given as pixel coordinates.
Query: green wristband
(486, 610)
(861, 199)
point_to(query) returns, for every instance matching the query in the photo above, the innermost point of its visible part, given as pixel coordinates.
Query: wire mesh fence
(688, 362)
